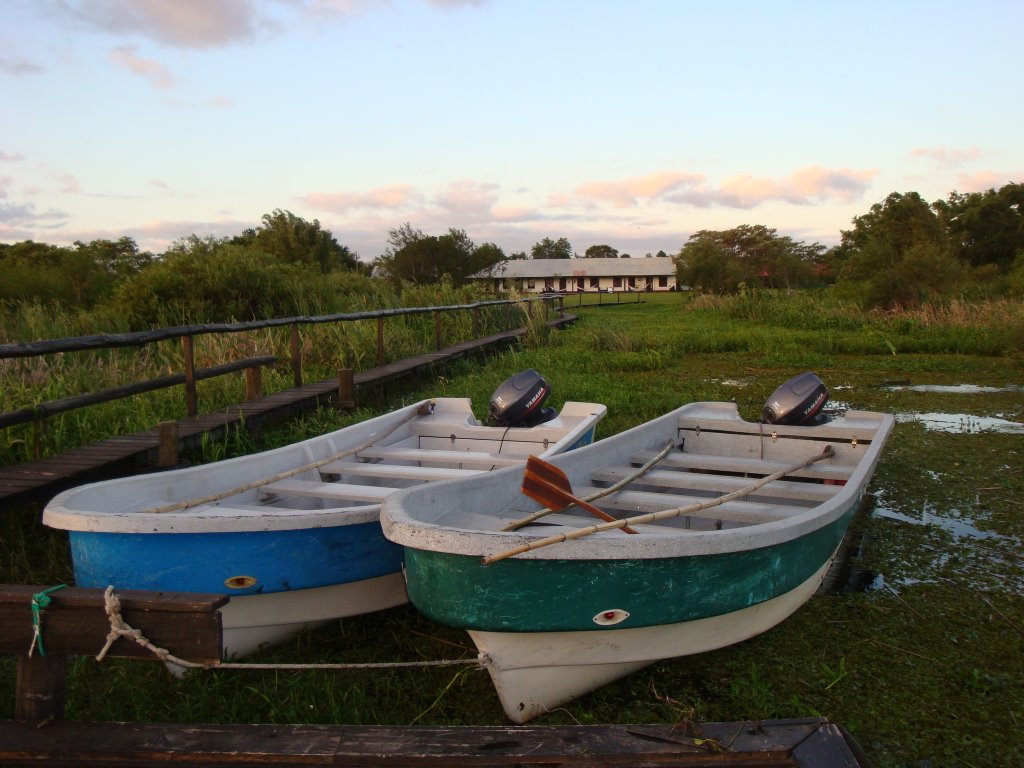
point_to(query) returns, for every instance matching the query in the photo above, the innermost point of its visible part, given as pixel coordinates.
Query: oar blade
(546, 484)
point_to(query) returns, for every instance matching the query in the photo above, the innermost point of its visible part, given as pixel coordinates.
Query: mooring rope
(119, 628)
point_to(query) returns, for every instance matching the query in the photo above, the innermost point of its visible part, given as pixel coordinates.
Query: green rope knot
(40, 600)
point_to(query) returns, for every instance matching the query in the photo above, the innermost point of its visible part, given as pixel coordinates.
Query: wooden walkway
(803, 743)
(40, 480)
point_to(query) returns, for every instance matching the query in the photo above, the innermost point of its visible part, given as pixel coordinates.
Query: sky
(630, 124)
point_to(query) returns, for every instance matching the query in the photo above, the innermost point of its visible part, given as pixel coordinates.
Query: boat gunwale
(401, 525)
(223, 517)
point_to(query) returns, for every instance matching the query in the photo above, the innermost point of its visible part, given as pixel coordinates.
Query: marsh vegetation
(922, 663)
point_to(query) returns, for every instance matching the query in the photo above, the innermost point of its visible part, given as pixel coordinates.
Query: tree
(293, 240)
(985, 227)
(753, 255)
(551, 249)
(601, 252)
(422, 259)
(897, 254)
(707, 265)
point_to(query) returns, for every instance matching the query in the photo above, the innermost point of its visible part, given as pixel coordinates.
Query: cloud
(17, 66)
(126, 56)
(25, 214)
(982, 181)
(625, 193)
(388, 198)
(179, 24)
(9, 157)
(470, 200)
(803, 187)
(947, 156)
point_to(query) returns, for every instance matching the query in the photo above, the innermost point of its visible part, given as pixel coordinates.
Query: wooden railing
(252, 366)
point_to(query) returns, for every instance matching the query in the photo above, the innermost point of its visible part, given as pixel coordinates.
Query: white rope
(118, 629)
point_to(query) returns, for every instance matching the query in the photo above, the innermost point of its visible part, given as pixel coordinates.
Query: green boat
(733, 525)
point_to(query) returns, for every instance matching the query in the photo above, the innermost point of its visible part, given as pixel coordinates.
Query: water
(963, 423)
(955, 389)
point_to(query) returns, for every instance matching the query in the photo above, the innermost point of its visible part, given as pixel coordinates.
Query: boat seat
(333, 491)
(718, 484)
(479, 459)
(642, 502)
(762, 467)
(396, 471)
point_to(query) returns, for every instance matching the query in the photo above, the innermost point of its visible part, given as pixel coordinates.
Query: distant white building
(657, 273)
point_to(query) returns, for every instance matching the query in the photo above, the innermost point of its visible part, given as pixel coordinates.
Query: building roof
(655, 266)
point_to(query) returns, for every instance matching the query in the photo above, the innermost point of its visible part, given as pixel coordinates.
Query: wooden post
(38, 437)
(296, 350)
(190, 375)
(380, 341)
(346, 388)
(254, 383)
(438, 336)
(41, 687)
(167, 452)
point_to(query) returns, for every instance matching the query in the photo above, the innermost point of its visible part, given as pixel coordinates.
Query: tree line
(903, 251)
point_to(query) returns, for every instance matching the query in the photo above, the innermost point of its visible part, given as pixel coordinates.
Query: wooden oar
(651, 517)
(548, 485)
(517, 524)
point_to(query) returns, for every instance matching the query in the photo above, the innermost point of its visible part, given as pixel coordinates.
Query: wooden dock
(124, 454)
(801, 743)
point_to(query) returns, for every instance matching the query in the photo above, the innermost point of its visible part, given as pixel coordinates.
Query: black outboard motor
(519, 401)
(797, 402)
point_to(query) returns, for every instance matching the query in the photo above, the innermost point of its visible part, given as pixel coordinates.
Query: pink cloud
(468, 198)
(388, 198)
(983, 181)
(9, 157)
(624, 194)
(182, 23)
(802, 187)
(125, 56)
(947, 156)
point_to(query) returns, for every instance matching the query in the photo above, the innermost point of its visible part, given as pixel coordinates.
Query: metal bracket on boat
(611, 617)
(854, 441)
(775, 436)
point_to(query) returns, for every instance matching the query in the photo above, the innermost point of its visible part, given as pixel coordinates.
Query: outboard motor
(519, 401)
(797, 402)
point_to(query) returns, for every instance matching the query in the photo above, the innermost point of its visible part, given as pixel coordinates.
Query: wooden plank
(727, 745)
(76, 622)
(399, 471)
(334, 491)
(465, 458)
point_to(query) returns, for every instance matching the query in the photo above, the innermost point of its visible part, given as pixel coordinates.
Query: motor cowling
(519, 401)
(799, 401)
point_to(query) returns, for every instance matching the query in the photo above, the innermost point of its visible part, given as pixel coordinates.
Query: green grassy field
(924, 667)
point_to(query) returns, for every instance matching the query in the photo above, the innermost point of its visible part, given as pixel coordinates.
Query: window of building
(617, 282)
(663, 281)
(531, 284)
(595, 282)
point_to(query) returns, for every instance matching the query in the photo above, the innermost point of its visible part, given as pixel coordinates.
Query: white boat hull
(535, 672)
(251, 622)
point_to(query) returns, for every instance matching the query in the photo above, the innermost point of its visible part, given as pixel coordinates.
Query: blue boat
(292, 535)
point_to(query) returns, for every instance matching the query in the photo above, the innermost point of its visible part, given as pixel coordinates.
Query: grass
(925, 669)
(325, 348)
